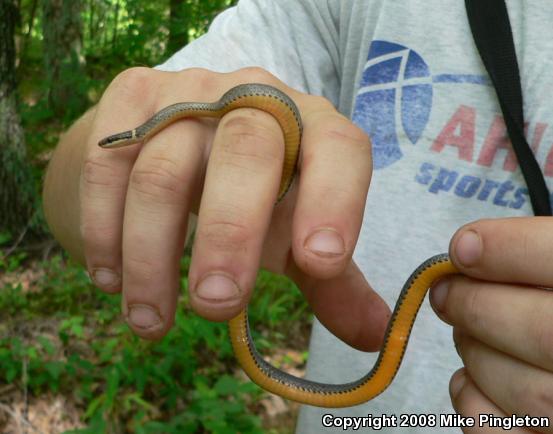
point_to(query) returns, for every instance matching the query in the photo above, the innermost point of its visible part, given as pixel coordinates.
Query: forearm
(61, 186)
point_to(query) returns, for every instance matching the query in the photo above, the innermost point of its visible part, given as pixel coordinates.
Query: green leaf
(55, 369)
(226, 385)
(47, 345)
(11, 373)
(112, 386)
(93, 406)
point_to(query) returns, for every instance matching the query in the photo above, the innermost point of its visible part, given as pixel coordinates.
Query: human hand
(135, 203)
(501, 318)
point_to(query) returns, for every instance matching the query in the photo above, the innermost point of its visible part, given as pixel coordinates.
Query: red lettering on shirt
(458, 132)
(496, 139)
(548, 169)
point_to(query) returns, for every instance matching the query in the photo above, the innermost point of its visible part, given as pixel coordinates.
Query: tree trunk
(91, 32)
(27, 35)
(179, 19)
(64, 63)
(17, 194)
(115, 24)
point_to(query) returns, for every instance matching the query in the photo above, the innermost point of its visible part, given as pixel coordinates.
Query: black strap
(491, 30)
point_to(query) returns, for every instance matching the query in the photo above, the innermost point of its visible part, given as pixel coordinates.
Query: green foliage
(115, 35)
(69, 51)
(14, 261)
(65, 336)
(184, 383)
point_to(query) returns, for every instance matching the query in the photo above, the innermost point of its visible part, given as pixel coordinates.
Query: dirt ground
(54, 414)
(22, 413)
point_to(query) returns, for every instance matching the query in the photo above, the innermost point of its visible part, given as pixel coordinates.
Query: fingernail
(438, 294)
(468, 248)
(217, 287)
(457, 382)
(104, 277)
(325, 242)
(143, 316)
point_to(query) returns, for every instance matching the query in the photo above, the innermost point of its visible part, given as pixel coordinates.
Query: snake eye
(120, 137)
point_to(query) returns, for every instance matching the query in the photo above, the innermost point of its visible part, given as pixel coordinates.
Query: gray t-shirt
(407, 72)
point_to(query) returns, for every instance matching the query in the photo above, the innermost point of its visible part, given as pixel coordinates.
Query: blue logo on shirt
(395, 96)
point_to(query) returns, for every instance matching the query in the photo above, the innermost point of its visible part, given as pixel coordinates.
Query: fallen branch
(18, 419)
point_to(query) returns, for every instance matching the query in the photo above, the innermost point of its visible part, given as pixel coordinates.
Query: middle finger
(510, 318)
(242, 179)
(162, 183)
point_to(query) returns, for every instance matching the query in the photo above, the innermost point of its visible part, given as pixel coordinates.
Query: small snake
(279, 105)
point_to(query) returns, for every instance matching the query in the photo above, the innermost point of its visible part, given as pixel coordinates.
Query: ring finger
(161, 187)
(514, 386)
(478, 413)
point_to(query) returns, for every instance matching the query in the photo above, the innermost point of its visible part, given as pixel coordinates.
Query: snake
(278, 104)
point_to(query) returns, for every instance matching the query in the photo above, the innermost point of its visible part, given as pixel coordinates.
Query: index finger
(510, 318)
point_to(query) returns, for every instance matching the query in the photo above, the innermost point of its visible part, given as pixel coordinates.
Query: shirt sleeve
(293, 39)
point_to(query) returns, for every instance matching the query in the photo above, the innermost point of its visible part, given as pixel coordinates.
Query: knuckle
(246, 137)
(224, 231)
(256, 74)
(140, 269)
(333, 128)
(96, 235)
(320, 103)
(470, 302)
(527, 245)
(134, 77)
(544, 332)
(201, 78)
(346, 133)
(133, 83)
(159, 180)
(540, 395)
(97, 170)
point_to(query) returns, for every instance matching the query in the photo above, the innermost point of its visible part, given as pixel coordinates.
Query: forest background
(68, 363)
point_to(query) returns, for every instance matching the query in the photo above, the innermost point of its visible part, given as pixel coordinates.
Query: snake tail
(376, 380)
